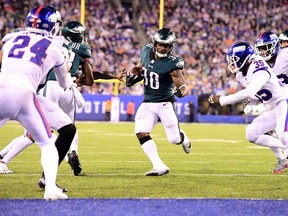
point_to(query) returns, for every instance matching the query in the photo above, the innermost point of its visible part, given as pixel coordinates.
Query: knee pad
(144, 139)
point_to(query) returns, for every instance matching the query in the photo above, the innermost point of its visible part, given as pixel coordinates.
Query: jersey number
(264, 95)
(39, 49)
(152, 80)
(283, 77)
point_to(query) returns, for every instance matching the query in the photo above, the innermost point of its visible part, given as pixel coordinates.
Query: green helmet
(283, 37)
(166, 37)
(74, 32)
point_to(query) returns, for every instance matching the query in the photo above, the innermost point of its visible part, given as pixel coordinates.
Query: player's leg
(68, 105)
(145, 120)
(256, 133)
(65, 100)
(282, 134)
(175, 135)
(33, 119)
(62, 123)
(19, 144)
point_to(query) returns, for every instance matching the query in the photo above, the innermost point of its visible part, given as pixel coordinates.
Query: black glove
(178, 93)
(131, 79)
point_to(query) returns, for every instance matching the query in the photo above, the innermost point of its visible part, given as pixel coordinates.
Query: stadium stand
(205, 30)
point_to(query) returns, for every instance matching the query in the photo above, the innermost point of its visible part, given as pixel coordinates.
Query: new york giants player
(274, 51)
(162, 70)
(27, 58)
(261, 86)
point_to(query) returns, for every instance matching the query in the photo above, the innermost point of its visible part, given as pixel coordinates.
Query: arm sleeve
(259, 79)
(63, 77)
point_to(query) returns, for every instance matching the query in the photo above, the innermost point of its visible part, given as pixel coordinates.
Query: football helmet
(267, 45)
(75, 32)
(283, 37)
(166, 37)
(43, 20)
(239, 55)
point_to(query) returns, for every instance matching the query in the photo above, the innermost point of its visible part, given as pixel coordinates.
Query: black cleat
(42, 184)
(74, 162)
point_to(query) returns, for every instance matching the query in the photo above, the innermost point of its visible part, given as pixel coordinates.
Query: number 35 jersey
(263, 82)
(158, 83)
(28, 57)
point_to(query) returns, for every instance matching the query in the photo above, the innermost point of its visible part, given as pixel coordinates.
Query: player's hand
(214, 99)
(181, 91)
(121, 76)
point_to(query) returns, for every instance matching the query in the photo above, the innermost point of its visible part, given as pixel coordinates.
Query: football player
(20, 143)
(161, 72)
(261, 86)
(283, 39)
(76, 41)
(275, 52)
(19, 100)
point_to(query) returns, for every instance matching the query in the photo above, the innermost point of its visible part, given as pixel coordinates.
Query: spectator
(108, 105)
(130, 109)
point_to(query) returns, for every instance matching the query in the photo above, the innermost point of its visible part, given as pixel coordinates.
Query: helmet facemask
(267, 45)
(240, 54)
(165, 37)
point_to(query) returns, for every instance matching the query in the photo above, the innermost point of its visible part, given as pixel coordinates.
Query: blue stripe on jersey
(261, 69)
(44, 120)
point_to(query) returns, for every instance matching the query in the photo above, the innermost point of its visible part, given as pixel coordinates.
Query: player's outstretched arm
(110, 75)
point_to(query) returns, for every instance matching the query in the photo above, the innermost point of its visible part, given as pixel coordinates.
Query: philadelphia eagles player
(76, 40)
(162, 74)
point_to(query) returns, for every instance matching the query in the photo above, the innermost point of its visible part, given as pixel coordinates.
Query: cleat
(4, 169)
(186, 144)
(73, 161)
(42, 184)
(158, 172)
(54, 194)
(281, 165)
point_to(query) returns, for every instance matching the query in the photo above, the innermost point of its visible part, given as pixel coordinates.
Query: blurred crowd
(205, 30)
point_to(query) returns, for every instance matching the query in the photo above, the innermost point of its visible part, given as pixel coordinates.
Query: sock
(150, 150)
(20, 144)
(49, 161)
(7, 148)
(278, 153)
(74, 144)
(63, 142)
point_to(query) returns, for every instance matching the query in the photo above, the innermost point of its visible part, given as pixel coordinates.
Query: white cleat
(158, 172)
(186, 144)
(54, 194)
(4, 169)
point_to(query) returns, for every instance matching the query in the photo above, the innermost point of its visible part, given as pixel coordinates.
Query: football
(136, 71)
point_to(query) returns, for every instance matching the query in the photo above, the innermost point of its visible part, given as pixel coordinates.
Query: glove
(80, 101)
(248, 109)
(214, 99)
(131, 79)
(178, 93)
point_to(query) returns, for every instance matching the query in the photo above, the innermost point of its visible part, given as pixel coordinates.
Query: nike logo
(165, 104)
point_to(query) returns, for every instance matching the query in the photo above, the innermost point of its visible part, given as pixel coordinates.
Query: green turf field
(222, 164)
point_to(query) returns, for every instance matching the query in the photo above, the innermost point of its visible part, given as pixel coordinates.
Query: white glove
(254, 109)
(80, 101)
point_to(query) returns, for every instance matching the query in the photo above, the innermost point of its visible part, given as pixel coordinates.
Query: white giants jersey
(260, 83)
(280, 67)
(28, 57)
